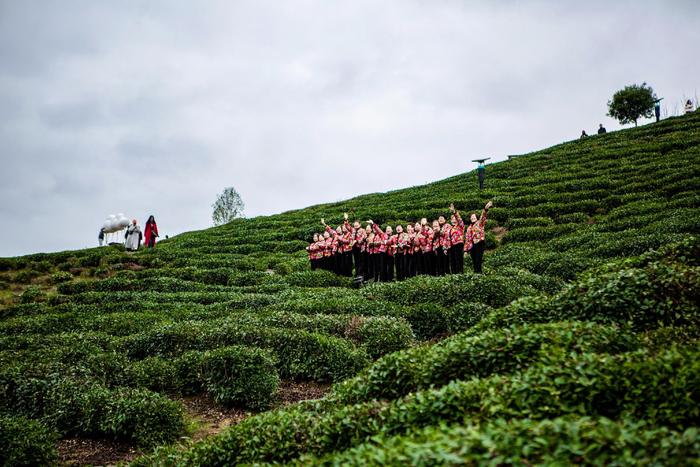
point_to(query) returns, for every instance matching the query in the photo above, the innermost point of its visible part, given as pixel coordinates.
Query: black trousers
(347, 263)
(429, 260)
(482, 175)
(400, 260)
(457, 258)
(477, 254)
(366, 265)
(419, 262)
(388, 268)
(357, 259)
(379, 272)
(442, 262)
(410, 265)
(337, 263)
(314, 264)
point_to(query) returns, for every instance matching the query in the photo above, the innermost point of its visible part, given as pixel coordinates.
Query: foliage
(26, 442)
(632, 103)
(581, 337)
(227, 207)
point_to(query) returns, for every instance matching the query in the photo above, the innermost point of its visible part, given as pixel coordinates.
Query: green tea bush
(629, 385)
(300, 354)
(240, 376)
(466, 356)
(494, 290)
(85, 408)
(26, 442)
(517, 223)
(59, 277)
(381, 336)
(32, 294)
(658, 294)
(560, 441)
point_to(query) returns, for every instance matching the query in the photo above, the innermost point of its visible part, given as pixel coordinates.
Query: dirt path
(211, 418)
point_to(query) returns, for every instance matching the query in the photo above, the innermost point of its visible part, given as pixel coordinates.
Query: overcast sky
(153, 107)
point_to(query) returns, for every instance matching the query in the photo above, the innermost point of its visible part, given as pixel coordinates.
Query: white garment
(133, 237)
(688, 108)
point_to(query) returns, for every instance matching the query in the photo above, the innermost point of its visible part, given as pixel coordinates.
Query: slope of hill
(578, 345)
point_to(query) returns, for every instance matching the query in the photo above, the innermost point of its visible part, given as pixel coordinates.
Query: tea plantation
(579, 344)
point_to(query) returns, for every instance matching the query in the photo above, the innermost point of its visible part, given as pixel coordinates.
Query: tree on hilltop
(227, 207)
(632, 103)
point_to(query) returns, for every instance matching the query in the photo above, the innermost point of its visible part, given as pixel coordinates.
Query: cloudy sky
(155, 106)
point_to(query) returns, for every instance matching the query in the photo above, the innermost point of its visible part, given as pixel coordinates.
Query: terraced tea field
(577, 345)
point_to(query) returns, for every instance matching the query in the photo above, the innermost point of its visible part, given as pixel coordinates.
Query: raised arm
(482, 219)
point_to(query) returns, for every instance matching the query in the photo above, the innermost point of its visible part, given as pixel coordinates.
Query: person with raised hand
(367, 259)
(427, 247)
(358, 238)
(456, 252)
(476, 237)
(328, 259)
(345, 242)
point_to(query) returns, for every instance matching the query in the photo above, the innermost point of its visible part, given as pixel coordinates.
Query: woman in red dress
(150, 232)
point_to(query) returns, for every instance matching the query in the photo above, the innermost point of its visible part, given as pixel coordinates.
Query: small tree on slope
(227, 207)
(632, 103)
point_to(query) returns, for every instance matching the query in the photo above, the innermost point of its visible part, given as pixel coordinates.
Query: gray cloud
(155, 107)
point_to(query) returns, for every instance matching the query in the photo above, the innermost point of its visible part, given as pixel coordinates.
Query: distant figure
(602, 130)
(689, 106)
(481, 171)
(150, 232)
(101, 236)
(657, 111)
(133, 237)
(583, 134)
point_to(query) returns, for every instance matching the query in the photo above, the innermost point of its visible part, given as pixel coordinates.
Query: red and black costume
(456, 252)
(475, 240)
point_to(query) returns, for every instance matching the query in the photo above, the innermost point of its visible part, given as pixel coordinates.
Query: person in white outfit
(133, 237)
(689, 106)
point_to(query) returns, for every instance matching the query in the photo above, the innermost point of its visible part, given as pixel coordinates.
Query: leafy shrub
(465, 356)
(381, 336)
(560, 441)
(26, 442)
(32, 294)
(658, 294)
(240, 375)
(25, 276)
(627, 385)
(59, 277)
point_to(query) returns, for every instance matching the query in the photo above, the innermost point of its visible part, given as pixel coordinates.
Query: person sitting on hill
(476, 236)
(602, 130)
(133, 237)
(583, 134)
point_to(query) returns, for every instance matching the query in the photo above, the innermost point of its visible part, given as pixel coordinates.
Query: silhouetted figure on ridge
(602, 130)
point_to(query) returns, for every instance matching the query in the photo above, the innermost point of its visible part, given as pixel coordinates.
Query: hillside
(577, 345)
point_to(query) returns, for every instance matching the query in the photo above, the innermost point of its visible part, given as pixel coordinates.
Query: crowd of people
(433, 248)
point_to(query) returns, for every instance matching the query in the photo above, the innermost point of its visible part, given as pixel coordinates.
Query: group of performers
(435, 248)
